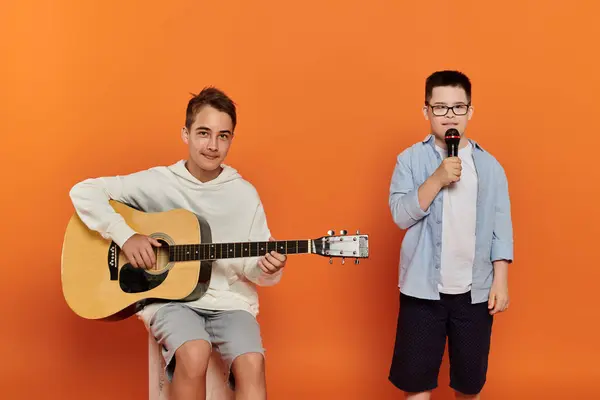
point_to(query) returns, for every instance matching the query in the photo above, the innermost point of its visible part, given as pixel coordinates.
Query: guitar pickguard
(137, 280)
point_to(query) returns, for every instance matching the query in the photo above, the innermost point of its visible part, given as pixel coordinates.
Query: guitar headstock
(342, 246)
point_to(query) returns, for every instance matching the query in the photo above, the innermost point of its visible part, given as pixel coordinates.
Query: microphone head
(452, 135)
(452, 138)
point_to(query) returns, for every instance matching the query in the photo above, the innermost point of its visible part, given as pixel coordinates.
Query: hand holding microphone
(450, 169)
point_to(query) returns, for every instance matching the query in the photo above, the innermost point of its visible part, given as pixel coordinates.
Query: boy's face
(209, 139)
(442, 118)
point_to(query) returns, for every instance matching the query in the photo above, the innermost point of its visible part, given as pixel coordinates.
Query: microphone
(452, 138)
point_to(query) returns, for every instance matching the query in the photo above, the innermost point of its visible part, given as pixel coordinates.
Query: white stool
(217, 387)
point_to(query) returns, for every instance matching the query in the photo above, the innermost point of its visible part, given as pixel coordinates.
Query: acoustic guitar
(99, 283)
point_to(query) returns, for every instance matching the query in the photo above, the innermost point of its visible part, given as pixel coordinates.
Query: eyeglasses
(440, 110)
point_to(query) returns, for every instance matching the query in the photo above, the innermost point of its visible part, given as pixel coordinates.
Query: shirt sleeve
(91, 202)
(404, 196)
(502, 239)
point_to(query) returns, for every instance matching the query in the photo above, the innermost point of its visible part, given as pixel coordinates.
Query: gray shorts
(233, 333)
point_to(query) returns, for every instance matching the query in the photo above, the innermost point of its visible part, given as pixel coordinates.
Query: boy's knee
(192, 358)
(462, 396)
(249, 366)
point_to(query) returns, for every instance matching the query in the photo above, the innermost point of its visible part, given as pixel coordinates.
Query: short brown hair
(447, 78)
(210, 96)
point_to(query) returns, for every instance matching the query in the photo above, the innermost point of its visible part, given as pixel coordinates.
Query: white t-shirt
(458, 227)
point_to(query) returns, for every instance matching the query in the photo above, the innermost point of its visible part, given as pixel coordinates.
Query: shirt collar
(430, 138)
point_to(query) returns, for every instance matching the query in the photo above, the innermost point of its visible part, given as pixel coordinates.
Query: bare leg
(189, 378)
(461, 396)
(250, 381)
(418, 396)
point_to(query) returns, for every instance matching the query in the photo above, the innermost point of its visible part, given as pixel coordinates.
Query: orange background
(328, 94)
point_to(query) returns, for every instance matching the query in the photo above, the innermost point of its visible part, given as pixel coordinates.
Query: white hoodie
(229, 203)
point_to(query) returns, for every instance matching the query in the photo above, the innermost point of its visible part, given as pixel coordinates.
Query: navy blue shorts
(424, 325)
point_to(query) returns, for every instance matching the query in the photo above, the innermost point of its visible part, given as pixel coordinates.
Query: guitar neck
(217, 251)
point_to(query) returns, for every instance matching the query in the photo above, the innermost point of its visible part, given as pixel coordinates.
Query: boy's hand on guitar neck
(138, 250)
(272, 262)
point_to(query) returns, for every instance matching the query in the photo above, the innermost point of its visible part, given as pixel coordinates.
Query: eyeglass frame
(448, 108)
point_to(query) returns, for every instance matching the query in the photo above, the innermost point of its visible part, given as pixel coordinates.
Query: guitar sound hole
(162, 256)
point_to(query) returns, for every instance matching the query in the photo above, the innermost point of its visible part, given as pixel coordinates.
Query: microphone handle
(453, 150)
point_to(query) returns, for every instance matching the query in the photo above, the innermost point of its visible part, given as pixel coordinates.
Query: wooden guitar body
(99, 283)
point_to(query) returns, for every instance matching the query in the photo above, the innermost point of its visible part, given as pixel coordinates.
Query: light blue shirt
(420, 254)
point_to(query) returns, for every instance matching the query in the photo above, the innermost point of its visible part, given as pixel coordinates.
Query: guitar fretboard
(216, 251)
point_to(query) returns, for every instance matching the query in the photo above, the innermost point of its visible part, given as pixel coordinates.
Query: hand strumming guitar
(138, 250)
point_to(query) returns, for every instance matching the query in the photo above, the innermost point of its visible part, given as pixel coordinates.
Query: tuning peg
(343, 261)
(356, 261)
(343, 232)
(331, 232)
(330, 260)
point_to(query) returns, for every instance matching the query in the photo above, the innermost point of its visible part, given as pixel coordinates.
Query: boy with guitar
(226, 315)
